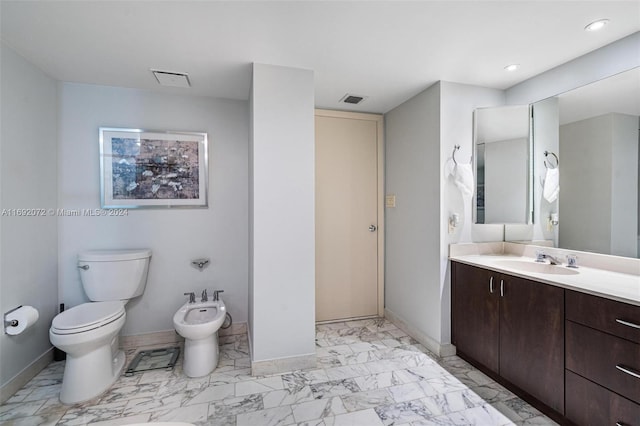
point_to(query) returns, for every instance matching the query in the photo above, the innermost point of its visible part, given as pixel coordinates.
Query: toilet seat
(87, 316)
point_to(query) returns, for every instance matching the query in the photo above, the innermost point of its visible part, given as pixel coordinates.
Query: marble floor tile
(368, 373)
(378, 381)
(334, 388)
(37, 420)
(259, 386)
(212, 393)
(406, 392)
(278, 398)
(361, 418)
(279, 416)
(402, 412)
(234, 406)
(21, 409)
(318, 409)
(191, 414)
(369, 399)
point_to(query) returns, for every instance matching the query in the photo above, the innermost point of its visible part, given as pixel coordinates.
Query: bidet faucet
(216, 295)
(192, 297)
(204, 296)
(541, 256)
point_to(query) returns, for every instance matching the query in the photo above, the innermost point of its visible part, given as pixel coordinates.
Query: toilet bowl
(199, 323)
(88, 333)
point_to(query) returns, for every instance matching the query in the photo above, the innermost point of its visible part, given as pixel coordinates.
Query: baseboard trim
(442, 350)
(283, 365)
(22, 378)
(170, 337)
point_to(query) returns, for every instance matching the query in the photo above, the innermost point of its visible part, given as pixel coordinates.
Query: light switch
(390, 201)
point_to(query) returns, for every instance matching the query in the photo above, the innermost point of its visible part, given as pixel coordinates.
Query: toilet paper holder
(11, 323)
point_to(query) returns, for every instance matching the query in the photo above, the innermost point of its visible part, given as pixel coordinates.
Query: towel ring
(550, 166)
(453, 155)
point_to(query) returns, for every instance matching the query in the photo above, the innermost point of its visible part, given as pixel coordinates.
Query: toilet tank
(114, 274)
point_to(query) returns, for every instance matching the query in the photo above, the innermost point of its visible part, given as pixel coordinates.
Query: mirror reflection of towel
(551, 185)
(463, 178)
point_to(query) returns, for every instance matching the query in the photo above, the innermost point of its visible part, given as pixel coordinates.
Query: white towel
(463, 178)
(551, 185)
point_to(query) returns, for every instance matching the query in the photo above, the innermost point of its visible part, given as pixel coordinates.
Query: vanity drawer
(607, 315)
(589, 404)
(599, 357)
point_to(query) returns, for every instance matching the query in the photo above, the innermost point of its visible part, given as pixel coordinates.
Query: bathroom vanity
(567, 341)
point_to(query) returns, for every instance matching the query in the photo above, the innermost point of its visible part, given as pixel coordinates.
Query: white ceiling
(500, 124)
(387, 51)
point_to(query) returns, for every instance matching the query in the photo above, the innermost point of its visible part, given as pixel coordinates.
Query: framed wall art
(152, 169)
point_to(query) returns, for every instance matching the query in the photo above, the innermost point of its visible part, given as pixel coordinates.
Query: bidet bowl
(199, 320)
(198, 323)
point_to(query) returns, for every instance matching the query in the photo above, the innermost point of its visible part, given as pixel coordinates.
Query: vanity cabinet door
(475, 314)
(532, 338)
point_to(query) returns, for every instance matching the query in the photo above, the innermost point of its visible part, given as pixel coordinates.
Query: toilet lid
(87, 315)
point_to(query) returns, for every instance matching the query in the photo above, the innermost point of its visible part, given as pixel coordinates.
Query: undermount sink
(540, 268)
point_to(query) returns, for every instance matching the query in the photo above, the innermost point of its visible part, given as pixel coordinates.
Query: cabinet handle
(491, 285)
(627, 323)
(628, 370)
(501, 288)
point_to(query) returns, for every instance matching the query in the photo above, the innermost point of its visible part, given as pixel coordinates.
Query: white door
(347, 222)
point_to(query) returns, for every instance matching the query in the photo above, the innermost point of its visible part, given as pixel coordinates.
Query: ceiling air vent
(171, 78)
(352, 99)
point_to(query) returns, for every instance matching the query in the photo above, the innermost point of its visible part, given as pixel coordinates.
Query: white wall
(602, 151)
(420, 136)
(28, 265)
(176, 236)
(412, 228)
(458, 101)
(283, 214)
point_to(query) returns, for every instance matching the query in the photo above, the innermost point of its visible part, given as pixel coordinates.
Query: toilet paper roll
(26, 317)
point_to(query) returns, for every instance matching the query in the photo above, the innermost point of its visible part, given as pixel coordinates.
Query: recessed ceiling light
(596, 25)
(512, 67)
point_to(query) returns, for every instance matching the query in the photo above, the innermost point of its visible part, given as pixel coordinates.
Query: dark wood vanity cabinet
(602, 361)
(512, 326)
(576, 353)
(476, 314)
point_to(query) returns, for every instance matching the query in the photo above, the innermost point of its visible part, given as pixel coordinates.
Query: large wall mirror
(503, 155)
(599, 140)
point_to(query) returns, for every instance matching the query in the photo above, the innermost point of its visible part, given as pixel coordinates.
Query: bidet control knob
(216, 295)
(192, 297)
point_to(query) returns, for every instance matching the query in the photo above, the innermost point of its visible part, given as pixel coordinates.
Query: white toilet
(198, 323)
(88, 333)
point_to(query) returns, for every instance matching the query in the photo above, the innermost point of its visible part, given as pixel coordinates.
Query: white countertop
(599, 282)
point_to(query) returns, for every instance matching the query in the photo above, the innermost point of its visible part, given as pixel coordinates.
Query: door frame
(379, 120)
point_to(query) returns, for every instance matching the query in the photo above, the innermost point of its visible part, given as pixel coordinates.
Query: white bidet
(199, 323)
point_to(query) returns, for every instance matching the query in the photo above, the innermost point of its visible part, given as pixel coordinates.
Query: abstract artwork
(153, 169)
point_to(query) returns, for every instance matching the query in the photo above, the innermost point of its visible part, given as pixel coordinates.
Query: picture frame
(152, 169)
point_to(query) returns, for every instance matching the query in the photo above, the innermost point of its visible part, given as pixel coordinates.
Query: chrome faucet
(204, 296)
(541, 256)
(192, 297)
